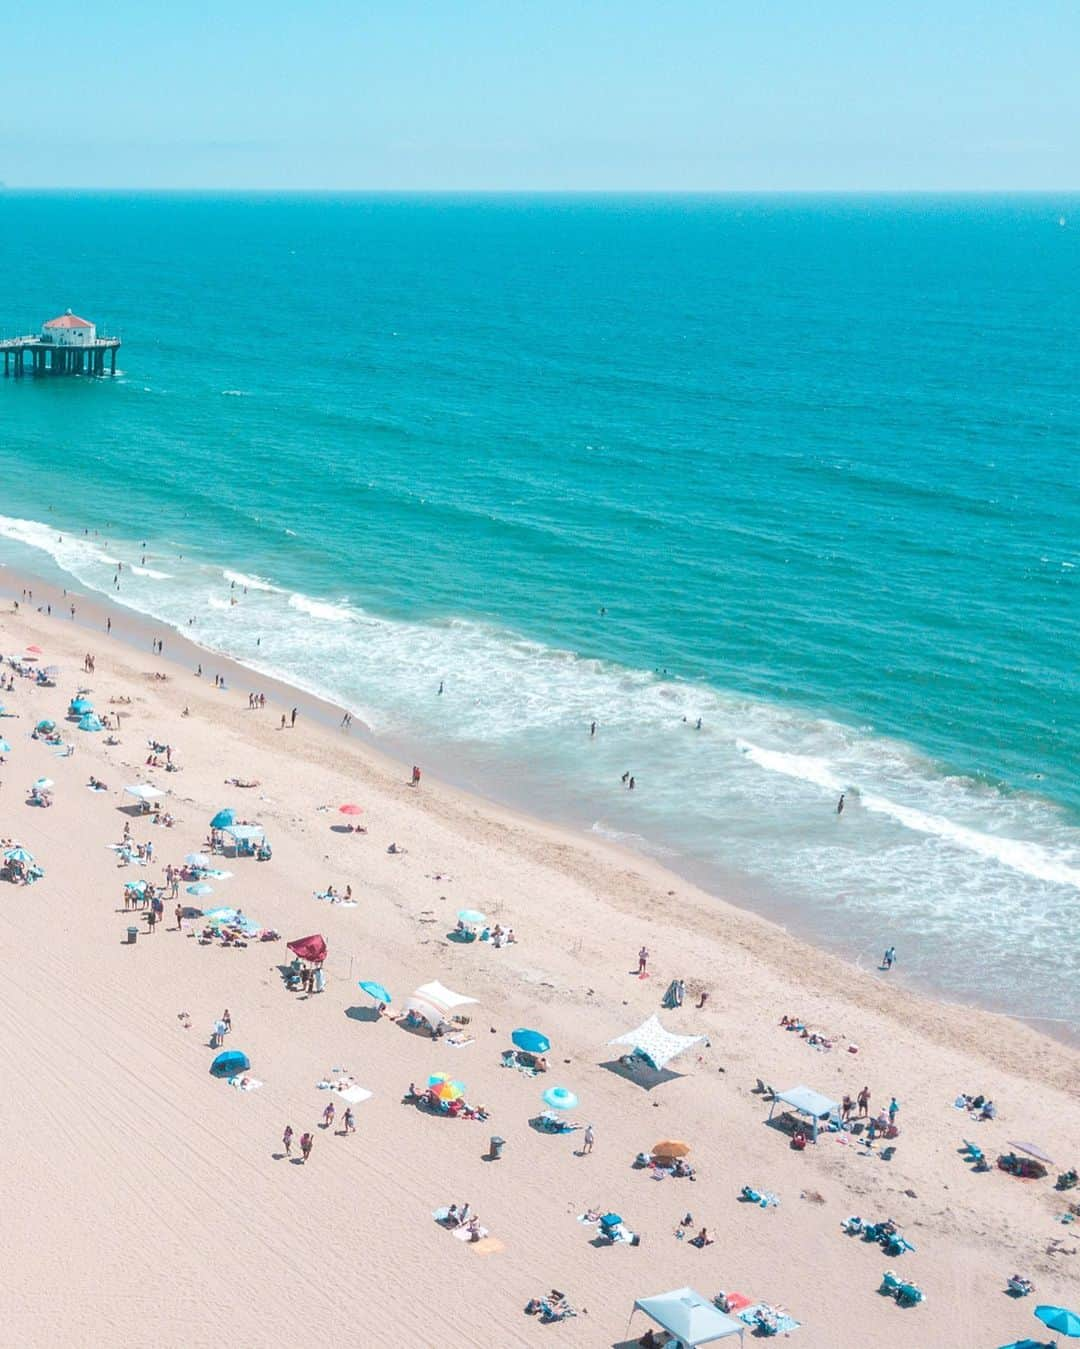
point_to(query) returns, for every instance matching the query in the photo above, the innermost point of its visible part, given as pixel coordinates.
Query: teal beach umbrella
(376, 991)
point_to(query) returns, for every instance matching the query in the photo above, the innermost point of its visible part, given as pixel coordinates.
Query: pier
(67, 345)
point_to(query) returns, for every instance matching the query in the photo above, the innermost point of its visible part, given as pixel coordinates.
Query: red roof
(68, 320)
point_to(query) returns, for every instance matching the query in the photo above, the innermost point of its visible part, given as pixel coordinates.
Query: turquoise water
(817, 459)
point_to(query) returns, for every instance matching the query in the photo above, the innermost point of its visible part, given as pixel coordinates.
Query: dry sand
(147, 1203)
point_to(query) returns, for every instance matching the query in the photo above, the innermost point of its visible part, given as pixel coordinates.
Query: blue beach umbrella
(472, 917)
(1060, 1319)
(222, 819)
(200, 889)
(80, 705)
(5, 748)
(229, 1063)
(46, 725)
(18, 855)
(559, 1098)
(1026, 1344)
(376, 991)
(90, 722)
(531, 1041)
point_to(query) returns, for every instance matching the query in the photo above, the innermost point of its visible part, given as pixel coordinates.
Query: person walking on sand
(328, 1116)
(415, 776)
(226, 1021)
(349, 1121)
(283, 721)
(292, 718)
(179, 913)
(894, 1110)
(642, 960)
(306, 1141)
(588, 1140)
(286, 1140)
(864, 1102)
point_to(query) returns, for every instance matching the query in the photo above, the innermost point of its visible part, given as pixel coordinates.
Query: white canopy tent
(436, 1003)
(245, 833)
(809, 1103)
(654, 1044)
(144, 791)
(689, 1318)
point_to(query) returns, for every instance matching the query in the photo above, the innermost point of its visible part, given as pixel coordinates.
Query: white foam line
(1029, 858)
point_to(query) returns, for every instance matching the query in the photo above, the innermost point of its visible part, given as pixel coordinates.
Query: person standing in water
(592, 729)
(889, 958)
(840, 804)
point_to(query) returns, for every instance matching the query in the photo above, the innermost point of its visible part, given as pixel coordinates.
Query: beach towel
(354, 1095)
(456, 1042)
(463, 1234)
(486, 1246)
(784, 1324)
(252, 1084)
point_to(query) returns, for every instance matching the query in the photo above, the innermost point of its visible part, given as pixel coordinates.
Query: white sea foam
(149, 571)
(1029, 858)
(321, 609)
(249, 582)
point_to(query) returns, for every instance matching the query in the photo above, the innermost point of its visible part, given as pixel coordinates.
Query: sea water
(804, 469)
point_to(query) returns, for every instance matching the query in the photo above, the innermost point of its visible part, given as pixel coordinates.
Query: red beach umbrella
(350, 809)
(33, 651)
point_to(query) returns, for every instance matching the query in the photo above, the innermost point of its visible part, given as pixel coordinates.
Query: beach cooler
(133, 936)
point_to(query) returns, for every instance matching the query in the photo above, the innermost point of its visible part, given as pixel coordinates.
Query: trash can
(133, 935)
(496, 1145)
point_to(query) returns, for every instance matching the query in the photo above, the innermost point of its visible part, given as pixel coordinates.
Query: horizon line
(11, 189)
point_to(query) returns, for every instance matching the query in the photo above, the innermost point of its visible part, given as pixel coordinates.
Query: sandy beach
(151, 1202)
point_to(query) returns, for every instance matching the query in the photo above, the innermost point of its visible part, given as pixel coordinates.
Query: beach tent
(229, 1063)
(245, 833)
(143, 791)
(688, 1317)
(90, 722)
(436, 1003)
(654, 1044)
(809, 1103)
(309, 948)
(79, 706)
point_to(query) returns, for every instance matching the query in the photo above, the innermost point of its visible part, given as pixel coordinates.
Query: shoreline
(136, 631)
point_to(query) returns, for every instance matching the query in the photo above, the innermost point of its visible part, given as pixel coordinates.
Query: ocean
(805, 469)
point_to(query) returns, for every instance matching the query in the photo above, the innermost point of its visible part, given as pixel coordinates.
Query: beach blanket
(217, 875)
(354, 1095)
(486, 1246)
(250, 1084)
(457, 1041)
(463, 1234)
(327, 898)
(784, 1324)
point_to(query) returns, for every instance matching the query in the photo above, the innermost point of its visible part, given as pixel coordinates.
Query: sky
(672, 95)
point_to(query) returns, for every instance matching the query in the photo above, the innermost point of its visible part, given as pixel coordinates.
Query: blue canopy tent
(90, 722)
(229, 1063)
(809, 1103)
(80, 706)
